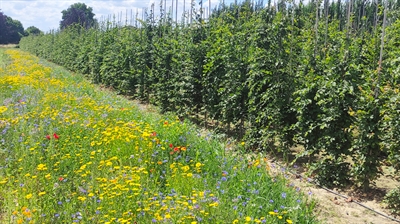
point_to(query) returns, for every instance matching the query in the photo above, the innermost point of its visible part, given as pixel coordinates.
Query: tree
(12, 30)
(32, 30)
(2, 27)
(15, 30)
(78, 13)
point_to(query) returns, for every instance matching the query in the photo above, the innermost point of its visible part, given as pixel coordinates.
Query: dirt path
(334, 209)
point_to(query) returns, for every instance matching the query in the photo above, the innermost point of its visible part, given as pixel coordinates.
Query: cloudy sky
(46, 14)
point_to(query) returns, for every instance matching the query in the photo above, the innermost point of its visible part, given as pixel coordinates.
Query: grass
(72, 153)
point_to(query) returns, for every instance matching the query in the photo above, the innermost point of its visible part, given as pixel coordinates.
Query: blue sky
(46, 14)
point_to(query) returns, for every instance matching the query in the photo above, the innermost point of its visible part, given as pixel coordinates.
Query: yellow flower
(81, 198)
(3, 109)
(41, 167)
(167, 216)
(42, 193)
(215, 204)
(248, 219)
(235, 221)
(289, 221)
(185, 168)
(28, 196)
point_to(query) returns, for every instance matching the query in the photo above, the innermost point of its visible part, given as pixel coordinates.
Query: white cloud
(46, 14)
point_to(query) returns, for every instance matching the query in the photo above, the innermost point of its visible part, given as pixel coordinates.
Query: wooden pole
(316, 28)
(348, 19)
(165, 10)
(209, 8)
(137, 13)
(326, 21)
(381, 51)
(191, 10)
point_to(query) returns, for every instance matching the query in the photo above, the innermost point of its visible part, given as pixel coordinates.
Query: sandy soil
(334, 209)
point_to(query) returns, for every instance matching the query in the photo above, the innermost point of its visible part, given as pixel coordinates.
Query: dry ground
(334, 209)
(8, 45)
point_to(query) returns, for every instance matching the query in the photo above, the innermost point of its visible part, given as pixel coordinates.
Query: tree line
(12, 30)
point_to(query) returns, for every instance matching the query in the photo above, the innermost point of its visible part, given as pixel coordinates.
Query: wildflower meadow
(72, 153)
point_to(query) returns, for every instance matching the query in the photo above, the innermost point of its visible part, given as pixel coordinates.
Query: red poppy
(61, 178)
(176, 149)
(170, 145)
(154, 134)
(48, 137)
(56, 136)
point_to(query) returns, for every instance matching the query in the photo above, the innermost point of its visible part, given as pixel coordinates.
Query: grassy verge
(72, 153)
(4, 60)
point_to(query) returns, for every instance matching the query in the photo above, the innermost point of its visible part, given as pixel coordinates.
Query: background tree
(12, 30)
(2, 27)
(78, 13)
(15, 30)
(32, 30)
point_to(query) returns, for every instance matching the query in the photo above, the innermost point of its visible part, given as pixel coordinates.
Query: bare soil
(332, 208)
(8, 45)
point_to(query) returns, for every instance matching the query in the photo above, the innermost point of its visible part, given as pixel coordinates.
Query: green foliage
(32, 30)
(11, 30)
(281, 77)
(392, 199)
(78, 13)
(271, 82)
